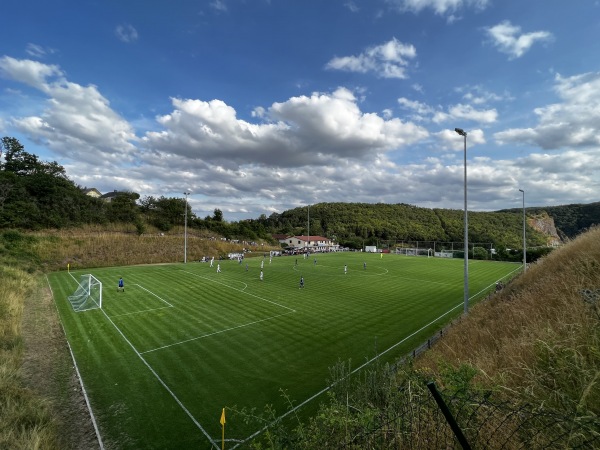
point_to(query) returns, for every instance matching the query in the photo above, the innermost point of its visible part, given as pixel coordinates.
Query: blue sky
(258, 106)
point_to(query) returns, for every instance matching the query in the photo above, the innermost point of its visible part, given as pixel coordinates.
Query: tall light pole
(524, 241)
(466, 238)
(185, 228)
(308, 230)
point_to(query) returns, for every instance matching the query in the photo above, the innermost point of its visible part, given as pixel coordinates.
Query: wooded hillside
(36, 195)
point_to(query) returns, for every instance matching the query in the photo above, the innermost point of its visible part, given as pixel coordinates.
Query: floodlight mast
(524, 235)
(185, 228)
(463, 133)
(308, 230)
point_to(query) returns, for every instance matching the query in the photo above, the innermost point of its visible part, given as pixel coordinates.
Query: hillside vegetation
(532, 348)
(37, 195)
(570, 220)
(355, 224)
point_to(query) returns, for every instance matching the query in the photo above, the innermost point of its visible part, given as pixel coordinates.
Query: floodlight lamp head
(521, 190)
(461, 131)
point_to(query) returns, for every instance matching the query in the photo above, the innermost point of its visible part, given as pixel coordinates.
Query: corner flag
(223, 429)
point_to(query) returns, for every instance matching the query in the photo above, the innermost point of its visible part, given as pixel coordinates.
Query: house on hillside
(92, 192)
(110, 196)
(311, 244)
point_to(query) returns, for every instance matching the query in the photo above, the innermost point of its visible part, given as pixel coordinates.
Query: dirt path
(48, 370)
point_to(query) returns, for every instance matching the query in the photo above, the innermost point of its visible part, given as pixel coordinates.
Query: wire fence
(414, 420)
(420, 424)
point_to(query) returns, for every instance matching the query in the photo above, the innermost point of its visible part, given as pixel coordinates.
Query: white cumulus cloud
(570, 123)
(440, 7)
(388, 60)
(509, 39)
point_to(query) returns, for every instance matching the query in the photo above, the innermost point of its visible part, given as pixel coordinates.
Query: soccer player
(365, 265)
(121, 285)
(218, 268)
(261, 275)
(211, 261)
(301, 283)
(262, 264)
(345, 269)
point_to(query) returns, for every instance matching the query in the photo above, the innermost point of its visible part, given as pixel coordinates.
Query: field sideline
(161, 360)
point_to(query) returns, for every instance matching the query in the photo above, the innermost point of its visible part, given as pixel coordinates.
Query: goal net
(88, 295)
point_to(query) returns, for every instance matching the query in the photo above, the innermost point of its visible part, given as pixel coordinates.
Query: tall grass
(537, 341)
(522, 370)
(539, 338)
(25, 418)
(98, 247)
(29, 420)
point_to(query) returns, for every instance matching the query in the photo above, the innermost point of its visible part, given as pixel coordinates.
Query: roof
(312, 238)
(92, 192)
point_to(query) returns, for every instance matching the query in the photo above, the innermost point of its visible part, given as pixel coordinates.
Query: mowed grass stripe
(354, 316)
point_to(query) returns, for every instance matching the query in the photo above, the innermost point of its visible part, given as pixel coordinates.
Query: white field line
(362, 366)
(85, 396)
(181, 405)
(150, 292)
(216, 332)
(341, 273)
(145, 310)
(241, 290)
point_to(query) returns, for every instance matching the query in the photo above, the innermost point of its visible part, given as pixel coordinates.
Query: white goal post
(88, 295)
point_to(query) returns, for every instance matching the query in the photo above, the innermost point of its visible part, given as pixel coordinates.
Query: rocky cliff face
(543, 223)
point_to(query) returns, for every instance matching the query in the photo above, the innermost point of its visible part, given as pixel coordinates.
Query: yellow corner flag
(223, 429)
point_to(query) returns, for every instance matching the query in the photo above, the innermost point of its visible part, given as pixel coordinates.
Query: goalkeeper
(121, 286)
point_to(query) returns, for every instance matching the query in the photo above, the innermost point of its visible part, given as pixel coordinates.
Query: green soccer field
(160, 360)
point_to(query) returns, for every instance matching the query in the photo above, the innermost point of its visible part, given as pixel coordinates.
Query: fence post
(448, 415)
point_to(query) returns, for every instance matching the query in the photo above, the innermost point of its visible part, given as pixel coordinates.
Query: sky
(259, 106)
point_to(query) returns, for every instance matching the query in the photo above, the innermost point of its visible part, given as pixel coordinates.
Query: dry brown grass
(100, 247)
(40, 401)
(25, 419)
(538, 336)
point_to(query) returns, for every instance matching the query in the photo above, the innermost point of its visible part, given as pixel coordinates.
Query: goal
(88, 295)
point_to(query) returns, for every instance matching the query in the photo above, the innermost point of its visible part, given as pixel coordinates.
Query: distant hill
(355, 224)
(570, 220)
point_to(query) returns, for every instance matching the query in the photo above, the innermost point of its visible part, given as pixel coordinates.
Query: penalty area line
(160, 380)
(216, 332)
(152, 293)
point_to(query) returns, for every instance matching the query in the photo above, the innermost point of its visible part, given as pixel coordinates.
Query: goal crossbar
(88, 294)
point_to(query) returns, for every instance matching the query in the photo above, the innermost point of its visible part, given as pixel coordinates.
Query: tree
(218, 215)
(123, 208)
(16, 159)
(165, 212)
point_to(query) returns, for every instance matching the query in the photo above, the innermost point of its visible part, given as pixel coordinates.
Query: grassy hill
(532, 350)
